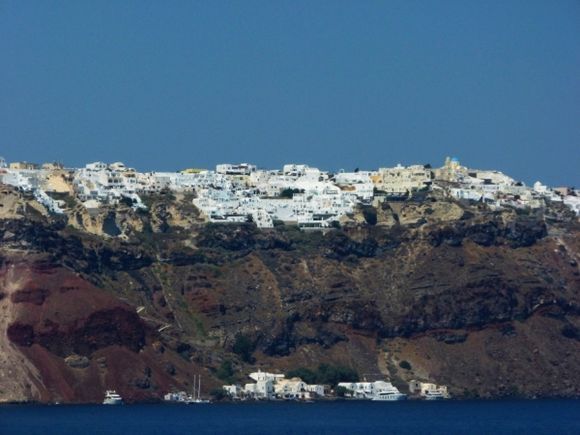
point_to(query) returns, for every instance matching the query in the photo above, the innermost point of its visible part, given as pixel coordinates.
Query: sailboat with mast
(196, 396)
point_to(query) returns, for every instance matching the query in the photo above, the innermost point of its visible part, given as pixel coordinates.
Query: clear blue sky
(335, 84)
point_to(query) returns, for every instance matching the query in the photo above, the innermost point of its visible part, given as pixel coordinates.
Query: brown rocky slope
(483, 301)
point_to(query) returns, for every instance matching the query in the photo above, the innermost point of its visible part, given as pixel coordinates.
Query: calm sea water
(450, 417)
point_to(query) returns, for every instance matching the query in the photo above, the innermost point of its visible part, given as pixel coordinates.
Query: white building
(316, 390)
(294, 388)
(359, 183)
(265, 376)
(294, 170)
(573, 202)
(427, 389)
(107, 184)
(263, 388)
(260, 390)
(231, 169)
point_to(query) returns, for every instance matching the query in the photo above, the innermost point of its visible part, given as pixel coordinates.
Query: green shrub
(325, 374)
(244, 347)
(218, 394)
(303, 373)
(332, 375)
(225, 372)
(405, 365)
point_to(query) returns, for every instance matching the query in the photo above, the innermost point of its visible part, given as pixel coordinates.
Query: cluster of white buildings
(297, 193)
(497, 189)
(269, 386)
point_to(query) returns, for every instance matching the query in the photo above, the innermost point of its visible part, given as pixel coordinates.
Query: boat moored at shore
(112, 398)
(389, 394)
(183, 397)
(434, 395)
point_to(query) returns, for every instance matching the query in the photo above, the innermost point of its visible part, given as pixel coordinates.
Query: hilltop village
(297, 193)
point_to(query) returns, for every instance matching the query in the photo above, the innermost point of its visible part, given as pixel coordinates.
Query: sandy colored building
(403, 179)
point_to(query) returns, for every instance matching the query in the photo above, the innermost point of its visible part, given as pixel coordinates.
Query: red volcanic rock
(103, 328)
(69, 315)
(20, 334)
(34, 296)
(59, 319)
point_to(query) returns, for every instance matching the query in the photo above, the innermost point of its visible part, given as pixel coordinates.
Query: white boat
(198, 400)
(179, 397)
(391, 394)
(183, 397)
(112, 398)
(434, 395)
(196, 397)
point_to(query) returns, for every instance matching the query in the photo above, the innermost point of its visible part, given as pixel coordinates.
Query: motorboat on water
(112, 398)
(434, 395)
(198, 400)
(390, 394)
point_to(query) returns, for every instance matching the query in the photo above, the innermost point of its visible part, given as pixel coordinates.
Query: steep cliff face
(485, 302)
(66, 340)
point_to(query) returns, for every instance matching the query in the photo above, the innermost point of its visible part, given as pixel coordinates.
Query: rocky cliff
(486, 302)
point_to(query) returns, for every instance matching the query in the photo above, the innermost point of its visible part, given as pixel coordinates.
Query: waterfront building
(428, 389)
(294, 388)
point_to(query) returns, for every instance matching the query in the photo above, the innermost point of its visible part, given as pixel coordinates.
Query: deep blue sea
(352, 417)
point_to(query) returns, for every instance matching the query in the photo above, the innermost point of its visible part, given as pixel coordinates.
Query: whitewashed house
(428, 389)
(294, 388)
(235, 169)
(315, 390)
(263, 388)
(359, 183)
